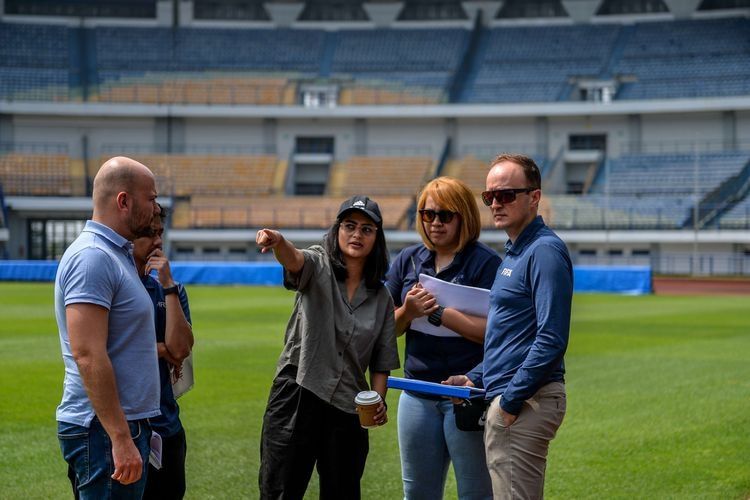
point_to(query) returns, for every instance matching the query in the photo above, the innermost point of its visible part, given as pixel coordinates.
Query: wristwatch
(170, 290)
(436, 318)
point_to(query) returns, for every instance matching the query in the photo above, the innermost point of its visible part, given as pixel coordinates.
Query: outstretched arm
(287, 255)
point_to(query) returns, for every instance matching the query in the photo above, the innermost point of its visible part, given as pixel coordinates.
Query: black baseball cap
(362, 204)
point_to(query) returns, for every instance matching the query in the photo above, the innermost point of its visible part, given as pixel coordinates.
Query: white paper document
(467, 299)
(183, 384)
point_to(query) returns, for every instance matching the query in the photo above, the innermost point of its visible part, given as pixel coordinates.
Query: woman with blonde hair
(449, 224)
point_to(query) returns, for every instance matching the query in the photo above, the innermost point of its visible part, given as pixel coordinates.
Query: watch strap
(436, 318)
(170, 289)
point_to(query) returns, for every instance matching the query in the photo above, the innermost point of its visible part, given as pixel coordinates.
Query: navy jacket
(529, 318)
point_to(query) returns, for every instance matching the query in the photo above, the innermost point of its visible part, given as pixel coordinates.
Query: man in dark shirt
(174, 342)
(527, 334)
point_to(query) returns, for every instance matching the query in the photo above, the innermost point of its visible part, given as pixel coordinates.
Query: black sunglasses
(445, 216)
(503, 196)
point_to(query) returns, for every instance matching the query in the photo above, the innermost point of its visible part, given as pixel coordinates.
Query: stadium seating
(380, 175)
(535, 63)
(35, 61)
(687, 59)
(648, 191)
(417, 59)
(597, 211)
(738, 217)
(677, 173)
(652, 60)
(32, 174)
(311, 212)
(188, 175)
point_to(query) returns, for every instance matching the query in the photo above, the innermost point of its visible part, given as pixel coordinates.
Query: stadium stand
(34, 174)
(380, 175)
(83, 8)
(597, 211)
(678, 174)
(312, 212)
(648, 60)
(738, 217)
(204, 66)
(35, 62)
(213, 10)
(687, 59)
(421, 60)
(522, 64)
(218, 175)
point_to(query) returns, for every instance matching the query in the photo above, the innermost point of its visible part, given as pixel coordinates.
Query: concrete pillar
(186, 13)
(383, 14)
(682, 9)
(169, 135)
(284, 14)
(729, 129)
(581, 11)
(488, 9)
(165, 13)
(6, 130)
(360, 136)
(635, 135)
(541, 127)
(269, 135)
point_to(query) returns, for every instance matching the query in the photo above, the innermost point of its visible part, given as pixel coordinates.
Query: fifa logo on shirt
(506, 272)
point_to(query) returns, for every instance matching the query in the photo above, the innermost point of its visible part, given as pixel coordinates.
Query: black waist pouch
(470, 414)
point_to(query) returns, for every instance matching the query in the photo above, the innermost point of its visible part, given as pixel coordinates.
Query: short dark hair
(529, 166)
(377, 262)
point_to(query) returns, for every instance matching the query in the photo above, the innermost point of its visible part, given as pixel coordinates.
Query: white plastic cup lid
(367, 398)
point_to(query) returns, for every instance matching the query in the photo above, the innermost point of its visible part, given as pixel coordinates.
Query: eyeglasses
(351, 228)
(503, 196)
(445, 216)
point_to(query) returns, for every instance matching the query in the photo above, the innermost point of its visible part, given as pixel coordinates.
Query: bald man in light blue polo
(106, 326)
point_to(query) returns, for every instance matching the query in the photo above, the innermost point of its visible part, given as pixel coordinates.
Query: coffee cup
(367, 406)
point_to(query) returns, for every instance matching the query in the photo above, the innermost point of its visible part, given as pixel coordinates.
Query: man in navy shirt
(174, 342)
(527, 334)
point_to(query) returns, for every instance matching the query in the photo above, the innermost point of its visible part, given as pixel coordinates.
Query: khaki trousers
(517, 455)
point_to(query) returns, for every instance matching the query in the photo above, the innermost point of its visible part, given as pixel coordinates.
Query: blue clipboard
(453, 391)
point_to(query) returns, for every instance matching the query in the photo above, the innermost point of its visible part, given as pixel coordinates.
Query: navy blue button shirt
(529, 319)
(168, 423)
(429, 357)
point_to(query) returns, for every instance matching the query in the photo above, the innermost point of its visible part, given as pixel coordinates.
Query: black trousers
(169, 481)
(301, 431)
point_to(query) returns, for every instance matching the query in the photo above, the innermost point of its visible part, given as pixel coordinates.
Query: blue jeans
(429, 441)
(89, 452)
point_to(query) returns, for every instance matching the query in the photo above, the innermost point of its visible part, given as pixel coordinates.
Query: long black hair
(377, 262)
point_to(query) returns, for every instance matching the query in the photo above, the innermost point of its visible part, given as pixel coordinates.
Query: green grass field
(658, 398)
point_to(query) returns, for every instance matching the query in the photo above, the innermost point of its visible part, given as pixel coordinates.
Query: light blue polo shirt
(98, 268)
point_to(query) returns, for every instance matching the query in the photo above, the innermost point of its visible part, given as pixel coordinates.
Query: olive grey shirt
(331, 341)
